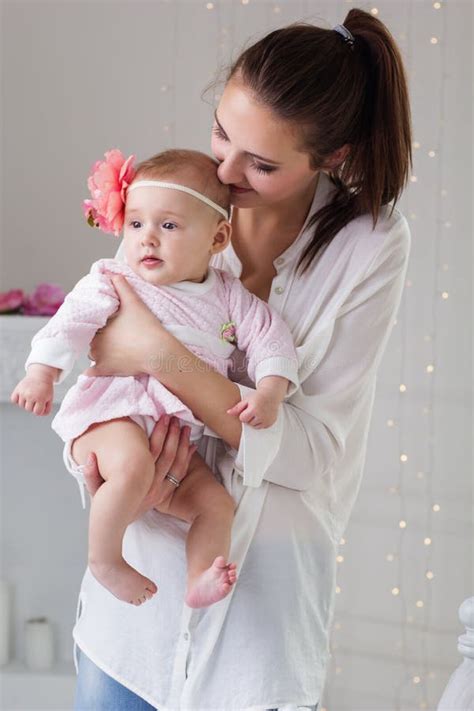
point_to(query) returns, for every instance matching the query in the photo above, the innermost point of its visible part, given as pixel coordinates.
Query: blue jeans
(97, 691)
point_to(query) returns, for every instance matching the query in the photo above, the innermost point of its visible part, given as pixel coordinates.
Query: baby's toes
(220, 562)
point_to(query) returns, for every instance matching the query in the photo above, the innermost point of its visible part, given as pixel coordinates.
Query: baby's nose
(150, 237)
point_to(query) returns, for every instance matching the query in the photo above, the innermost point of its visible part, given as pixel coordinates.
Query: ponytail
(337, 93)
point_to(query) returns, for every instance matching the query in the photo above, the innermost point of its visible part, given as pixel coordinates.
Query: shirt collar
(190, 287)
(194, 287)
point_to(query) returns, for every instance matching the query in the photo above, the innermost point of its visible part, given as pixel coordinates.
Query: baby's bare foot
(212, 585)
(123, 581)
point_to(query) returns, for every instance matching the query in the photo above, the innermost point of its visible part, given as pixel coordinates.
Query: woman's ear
(222, 237)
(338, 157)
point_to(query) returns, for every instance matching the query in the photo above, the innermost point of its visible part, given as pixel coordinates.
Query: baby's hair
(192, 168)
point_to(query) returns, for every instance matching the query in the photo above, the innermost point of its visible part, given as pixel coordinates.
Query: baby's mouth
(151, 261)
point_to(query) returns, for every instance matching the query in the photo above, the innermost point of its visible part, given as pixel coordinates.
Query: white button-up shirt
(266, 644)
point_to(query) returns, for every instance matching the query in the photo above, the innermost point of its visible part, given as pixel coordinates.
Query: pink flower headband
(108, 184)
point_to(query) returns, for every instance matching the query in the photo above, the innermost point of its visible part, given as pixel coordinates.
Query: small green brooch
(228, 332)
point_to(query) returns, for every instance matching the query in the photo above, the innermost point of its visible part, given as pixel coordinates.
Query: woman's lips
(235, 189)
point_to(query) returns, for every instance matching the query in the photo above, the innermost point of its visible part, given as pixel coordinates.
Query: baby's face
(168, 235)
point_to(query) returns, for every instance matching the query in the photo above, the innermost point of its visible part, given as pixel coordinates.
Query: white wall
(81, 77)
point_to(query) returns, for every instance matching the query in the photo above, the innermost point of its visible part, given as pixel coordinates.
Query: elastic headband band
(347, 36)
(182, 188)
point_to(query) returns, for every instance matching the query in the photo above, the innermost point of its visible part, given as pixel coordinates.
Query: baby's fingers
(29, 404)
(248, 415)
(38, 407)
(42, 407)
(237, 409)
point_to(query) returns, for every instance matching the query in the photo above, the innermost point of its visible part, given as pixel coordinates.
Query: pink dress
(211, 319)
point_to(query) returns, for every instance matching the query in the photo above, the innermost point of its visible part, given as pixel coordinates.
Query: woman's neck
(272, 228)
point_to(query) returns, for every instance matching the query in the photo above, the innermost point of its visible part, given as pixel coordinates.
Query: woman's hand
(170, 447)
(129, 342)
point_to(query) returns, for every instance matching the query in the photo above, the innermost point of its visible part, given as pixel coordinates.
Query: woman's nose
(230, 171)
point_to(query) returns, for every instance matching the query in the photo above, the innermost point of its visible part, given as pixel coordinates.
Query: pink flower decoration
(44, 301)
(228, 332)
(108, 183)
(10, 301)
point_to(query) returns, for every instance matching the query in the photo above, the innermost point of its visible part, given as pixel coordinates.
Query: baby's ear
(222, 236)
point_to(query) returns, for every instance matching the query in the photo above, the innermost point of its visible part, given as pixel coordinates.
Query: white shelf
(60, 668)
(49, 690)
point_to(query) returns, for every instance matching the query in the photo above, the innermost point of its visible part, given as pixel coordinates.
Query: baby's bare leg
(205, 503)
(126, 464)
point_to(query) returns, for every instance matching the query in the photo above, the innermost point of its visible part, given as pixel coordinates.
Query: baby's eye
(168, 223)
(136, 224)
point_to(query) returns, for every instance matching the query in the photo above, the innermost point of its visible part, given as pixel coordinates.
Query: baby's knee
(134, 469)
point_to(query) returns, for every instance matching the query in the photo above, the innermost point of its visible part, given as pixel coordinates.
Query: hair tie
(347, 36)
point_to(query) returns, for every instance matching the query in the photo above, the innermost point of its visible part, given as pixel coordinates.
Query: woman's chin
(250, 199)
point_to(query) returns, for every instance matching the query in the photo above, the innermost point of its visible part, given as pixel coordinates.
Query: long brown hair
(337, 94)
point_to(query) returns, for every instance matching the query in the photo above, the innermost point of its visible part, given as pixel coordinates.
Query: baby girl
(175, 215)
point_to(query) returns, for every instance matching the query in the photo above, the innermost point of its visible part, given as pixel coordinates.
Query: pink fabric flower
(108, 183)
(10, 301)
(44, 301)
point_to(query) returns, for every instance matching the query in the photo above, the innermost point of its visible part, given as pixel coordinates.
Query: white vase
(5, 606)
(39, 645)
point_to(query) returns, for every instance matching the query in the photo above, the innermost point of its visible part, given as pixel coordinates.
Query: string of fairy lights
(414, 675)
(420, 673)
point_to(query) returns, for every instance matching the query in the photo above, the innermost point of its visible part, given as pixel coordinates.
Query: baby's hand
(35, 392)
(260, 409)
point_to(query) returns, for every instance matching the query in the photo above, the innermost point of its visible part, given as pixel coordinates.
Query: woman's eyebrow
(255, 155)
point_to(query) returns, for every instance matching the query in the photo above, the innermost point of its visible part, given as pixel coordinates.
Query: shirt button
(280, 260)
(186, 636)
(279, 290)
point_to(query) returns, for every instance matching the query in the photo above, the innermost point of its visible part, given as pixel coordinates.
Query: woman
(313, 134)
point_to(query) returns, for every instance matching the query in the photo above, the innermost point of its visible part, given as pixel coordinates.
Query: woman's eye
(217, 131)
(262, 168)
(168, 223)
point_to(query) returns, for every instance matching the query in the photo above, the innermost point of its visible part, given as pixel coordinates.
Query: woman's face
(257, 151)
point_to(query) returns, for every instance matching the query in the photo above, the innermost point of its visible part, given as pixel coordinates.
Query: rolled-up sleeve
(313, 427)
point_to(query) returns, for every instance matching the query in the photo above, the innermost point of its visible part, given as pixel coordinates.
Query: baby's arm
(56, 346)
(272, 362)
(34, 393)
(260, 408)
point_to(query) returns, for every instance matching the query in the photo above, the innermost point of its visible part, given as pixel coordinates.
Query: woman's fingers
(238, 409)
(172, 452)
(124, 291)
(170, 448)
(247, 415)
(181, 460)
(92, 477)
(158, 436)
